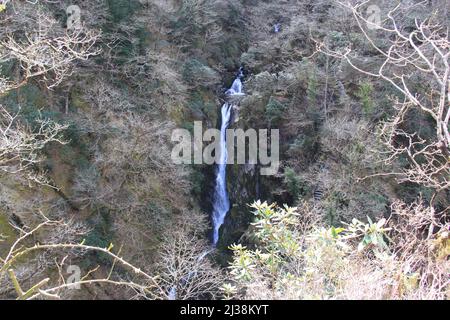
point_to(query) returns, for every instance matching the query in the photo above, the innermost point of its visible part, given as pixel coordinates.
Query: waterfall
(236, 87)
(221, 204)
(277, 28)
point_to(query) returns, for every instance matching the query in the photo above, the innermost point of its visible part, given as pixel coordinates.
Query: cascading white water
(277, 28)
(221, 204)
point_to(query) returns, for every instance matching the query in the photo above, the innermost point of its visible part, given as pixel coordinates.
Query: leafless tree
(142, 283)
(419, 239)
(421, 52)
(52, 57)
(41, 49)
(20, 146)
(184, 267)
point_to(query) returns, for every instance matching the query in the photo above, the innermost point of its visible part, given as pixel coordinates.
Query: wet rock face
(243, 189)
(242, 181)
(269, 93)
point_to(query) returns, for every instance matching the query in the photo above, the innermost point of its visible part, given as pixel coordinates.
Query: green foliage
(269, 224)
(311, 89)
(76, 152)
(336, 202)
(287, 263)
(198, 181)
(365, 95)
(101, 234)
(304, 147)
(30, 101)
(144, 37)
(122, 9)
(372, 203)
(275, 223)
(372, 234)
(295, 185)
(337, 39)
(198, 102)
(227, 51)
(197, 73)
(274, 111)
(409, 191)
(130, 41)
(125, 49)
(228, 291)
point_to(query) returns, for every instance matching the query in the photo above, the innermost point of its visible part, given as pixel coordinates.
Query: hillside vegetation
(92, 207)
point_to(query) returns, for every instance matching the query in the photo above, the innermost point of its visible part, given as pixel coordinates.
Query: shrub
(295, 185)
(197, 74)
(122, 9)
(274, 111)
(294, 256)
(100, 235)
(364, 93)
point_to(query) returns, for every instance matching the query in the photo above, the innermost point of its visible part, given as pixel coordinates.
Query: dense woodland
(92, 207)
